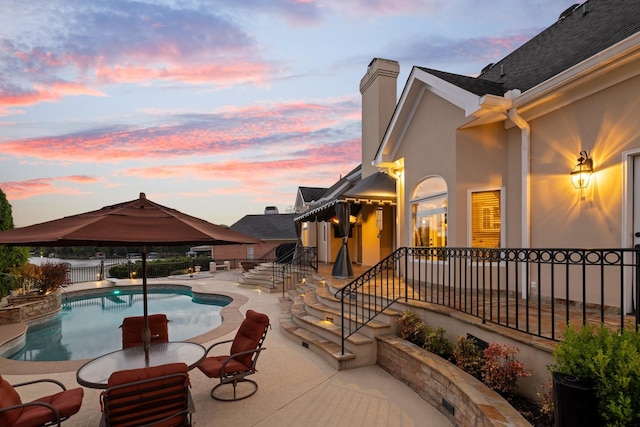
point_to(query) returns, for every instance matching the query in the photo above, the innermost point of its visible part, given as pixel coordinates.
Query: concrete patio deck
(297, 387)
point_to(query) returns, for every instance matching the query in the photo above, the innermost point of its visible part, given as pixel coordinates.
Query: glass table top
(96, 373)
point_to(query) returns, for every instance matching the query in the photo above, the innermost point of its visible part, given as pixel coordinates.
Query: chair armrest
(35, 403)
(233, 356)
(44, 380)
(215, 344)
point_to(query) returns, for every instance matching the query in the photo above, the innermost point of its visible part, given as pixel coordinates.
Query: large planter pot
(575, 402)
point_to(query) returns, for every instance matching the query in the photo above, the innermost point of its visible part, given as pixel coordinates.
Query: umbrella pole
(146, 332)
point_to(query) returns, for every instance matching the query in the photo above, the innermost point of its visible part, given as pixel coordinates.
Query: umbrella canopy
(139, 222)
(134, 223)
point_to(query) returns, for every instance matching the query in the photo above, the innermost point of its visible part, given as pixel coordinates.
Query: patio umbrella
(139, 222)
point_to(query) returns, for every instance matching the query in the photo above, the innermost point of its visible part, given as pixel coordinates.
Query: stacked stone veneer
(466, 401)
(24, 308)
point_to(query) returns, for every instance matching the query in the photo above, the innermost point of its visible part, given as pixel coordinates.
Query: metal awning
(378, 188)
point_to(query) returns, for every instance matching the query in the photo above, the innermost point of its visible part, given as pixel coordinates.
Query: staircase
(262, 276)
(311, 315)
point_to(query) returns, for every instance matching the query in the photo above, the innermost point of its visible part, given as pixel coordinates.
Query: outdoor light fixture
(379, 218)
(581, 174)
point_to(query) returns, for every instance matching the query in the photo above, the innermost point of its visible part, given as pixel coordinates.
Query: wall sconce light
(581, 173)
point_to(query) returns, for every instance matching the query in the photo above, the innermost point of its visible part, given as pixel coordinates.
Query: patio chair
(156, 396)
(241, 360)
(45, 411)
(132, 329)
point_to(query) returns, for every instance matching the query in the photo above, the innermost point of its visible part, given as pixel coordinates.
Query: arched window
(429, 213)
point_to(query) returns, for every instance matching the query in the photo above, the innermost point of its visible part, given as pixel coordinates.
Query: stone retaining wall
(465, 400)
(24, 308)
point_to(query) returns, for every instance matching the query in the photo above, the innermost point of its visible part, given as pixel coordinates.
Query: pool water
(89, 327)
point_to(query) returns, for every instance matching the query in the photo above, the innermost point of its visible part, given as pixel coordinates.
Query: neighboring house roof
(311, 194)
(320, 209)
(267, 227)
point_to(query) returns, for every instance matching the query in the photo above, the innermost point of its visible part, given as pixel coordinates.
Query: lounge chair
(155, 396)
(242, 358)
(45, 411)
(132, 329)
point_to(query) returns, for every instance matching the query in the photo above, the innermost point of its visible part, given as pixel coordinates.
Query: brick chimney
(378, 88)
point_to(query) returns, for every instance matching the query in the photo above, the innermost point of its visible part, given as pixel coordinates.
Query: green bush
(435, 342)
(612, 361)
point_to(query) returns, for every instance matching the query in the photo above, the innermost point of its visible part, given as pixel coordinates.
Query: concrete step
(328, 350)
(358, 343)
(326, 295)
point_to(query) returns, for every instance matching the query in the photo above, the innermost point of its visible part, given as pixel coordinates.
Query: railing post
(637, 308)
(342, 323)
(406, 274)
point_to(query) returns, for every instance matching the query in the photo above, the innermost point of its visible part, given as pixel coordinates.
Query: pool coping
(231, 319)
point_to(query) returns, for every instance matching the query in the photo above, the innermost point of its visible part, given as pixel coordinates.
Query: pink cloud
(233, 72)
(45, 93)
(262, 129)
(42, 186)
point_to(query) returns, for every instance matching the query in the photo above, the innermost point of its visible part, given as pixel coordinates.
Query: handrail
(505, 286)
(268, 256)
(303, 263)
(355, 316)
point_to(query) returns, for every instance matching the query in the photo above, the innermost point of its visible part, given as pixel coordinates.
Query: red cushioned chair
(132, 329)
(157, 396)
(45, 411)
(242, 358)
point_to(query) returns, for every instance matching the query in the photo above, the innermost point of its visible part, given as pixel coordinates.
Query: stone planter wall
(24, 308)
(465, 400)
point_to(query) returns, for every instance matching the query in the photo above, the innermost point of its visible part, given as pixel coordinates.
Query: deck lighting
(581, 173)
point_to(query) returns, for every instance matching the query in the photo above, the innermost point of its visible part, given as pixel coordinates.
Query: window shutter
(486, 219)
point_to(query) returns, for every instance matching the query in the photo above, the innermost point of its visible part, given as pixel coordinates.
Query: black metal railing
(302, 263)
(535, 291)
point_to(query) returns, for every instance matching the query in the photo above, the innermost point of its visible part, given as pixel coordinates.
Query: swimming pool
(88, 324)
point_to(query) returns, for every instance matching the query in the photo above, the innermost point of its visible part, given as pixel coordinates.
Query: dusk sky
(214, 108)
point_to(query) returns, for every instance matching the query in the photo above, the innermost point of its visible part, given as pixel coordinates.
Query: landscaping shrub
(612, 361)
(501, 370)
(412, 328)
(468, 356)
(435, 342)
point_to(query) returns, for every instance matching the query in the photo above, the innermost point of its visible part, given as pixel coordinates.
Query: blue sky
(214, 108)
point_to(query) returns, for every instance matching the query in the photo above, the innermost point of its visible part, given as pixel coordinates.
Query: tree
(9, 256)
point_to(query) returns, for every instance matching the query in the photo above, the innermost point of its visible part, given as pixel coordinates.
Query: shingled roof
(581, 32)
(310, 194)
(267, 227)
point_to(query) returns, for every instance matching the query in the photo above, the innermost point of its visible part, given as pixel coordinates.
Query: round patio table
(96, 372)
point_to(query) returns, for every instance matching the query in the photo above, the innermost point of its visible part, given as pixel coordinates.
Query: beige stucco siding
(605, 124)
(481, 163)
(429, 149)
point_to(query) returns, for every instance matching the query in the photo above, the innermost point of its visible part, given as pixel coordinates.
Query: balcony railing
(535, 291)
